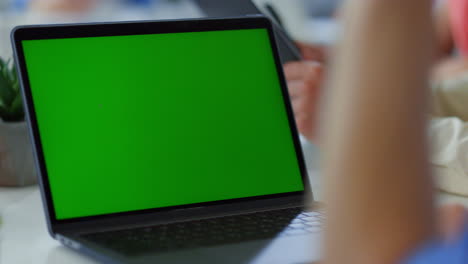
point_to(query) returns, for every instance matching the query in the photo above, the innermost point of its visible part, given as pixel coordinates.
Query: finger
(297, 88)
(312, 52)
(313, 82)
(304, 97)
(308, 87)
(302, 124)
(306, 126)
(452, 219)
(301, 70)
(302, 106)
(315, 54)
(307, 92)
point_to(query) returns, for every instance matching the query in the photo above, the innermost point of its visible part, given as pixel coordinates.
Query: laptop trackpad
(284, 250)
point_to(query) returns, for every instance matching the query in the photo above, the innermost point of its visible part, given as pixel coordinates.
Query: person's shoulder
(437, 252)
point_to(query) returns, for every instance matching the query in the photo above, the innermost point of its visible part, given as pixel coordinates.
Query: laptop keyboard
(210, 232)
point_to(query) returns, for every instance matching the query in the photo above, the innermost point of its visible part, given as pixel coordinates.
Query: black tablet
(231, 8)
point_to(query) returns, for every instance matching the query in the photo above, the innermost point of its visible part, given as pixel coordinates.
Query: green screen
(148, 121)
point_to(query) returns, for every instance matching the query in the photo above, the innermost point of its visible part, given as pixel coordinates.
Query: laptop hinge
(180, 215)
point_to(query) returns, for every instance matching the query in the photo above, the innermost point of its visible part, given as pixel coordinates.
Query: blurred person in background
(380, 196)
(449, 129)
(449, 81)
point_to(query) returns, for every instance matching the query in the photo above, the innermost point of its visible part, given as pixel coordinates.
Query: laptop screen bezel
(43, 32)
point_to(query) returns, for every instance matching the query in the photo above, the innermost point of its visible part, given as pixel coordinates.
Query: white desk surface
(24, 238)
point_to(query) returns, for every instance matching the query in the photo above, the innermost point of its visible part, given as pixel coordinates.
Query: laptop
(232, 8)
(167, 142)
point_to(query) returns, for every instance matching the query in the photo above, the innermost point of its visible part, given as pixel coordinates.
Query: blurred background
(306, 20)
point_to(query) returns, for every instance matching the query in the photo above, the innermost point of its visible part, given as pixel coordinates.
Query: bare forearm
(379, 196)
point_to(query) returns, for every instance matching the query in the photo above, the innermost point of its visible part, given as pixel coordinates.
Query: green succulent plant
(11, 103)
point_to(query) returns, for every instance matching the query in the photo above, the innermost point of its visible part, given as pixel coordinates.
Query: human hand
(304, 80)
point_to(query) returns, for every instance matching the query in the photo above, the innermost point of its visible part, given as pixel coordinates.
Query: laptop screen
(139, 122)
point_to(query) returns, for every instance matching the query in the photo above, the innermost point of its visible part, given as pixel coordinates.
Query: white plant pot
(16, 157)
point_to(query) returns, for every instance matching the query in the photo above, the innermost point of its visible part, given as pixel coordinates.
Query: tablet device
(231, 8)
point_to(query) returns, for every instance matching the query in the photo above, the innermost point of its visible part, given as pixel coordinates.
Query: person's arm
(379, 187)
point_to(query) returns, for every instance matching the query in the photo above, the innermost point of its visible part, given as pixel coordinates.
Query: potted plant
(16, 158)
